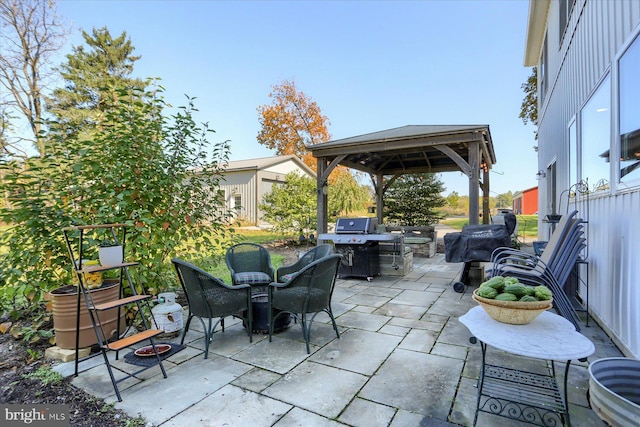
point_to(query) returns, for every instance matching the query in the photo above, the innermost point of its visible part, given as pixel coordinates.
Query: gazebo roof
(411, 149)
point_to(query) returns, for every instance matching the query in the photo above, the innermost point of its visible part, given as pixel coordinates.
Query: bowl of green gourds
(507, 300)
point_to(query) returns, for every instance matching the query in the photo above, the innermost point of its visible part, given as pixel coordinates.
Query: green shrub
(157, 173)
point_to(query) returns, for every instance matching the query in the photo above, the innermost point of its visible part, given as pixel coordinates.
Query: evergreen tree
(413, 200)
(93, 76)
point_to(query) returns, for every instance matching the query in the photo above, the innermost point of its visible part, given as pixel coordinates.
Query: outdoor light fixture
(540, 174)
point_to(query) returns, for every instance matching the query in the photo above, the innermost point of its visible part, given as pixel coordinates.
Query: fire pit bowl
(614, 390)
(512, 312)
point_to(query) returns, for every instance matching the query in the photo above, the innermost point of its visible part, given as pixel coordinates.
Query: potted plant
(110, 252)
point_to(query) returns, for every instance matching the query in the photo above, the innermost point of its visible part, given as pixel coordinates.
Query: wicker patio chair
(308, 291)
(285, 272)
(250, 263)
(210, 298)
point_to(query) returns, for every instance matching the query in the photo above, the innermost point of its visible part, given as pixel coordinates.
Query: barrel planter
(614, 390)
(64, 302)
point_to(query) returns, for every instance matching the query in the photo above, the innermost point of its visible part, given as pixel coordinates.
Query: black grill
(357, 241)
(359, 260)
(476, 243)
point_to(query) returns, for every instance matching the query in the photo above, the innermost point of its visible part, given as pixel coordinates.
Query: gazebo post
(485, 195)
(322, 191)
(474, 182)
(379, 196)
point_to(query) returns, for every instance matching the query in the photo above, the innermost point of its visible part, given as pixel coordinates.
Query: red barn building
(526, 202)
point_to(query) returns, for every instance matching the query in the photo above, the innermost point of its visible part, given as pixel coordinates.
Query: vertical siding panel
(252, 198)
(620, 29)
(596, 34)
(634, 276)
(598, 29)
(593, 61)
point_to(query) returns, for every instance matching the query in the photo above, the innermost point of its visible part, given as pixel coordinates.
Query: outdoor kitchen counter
(517, 394)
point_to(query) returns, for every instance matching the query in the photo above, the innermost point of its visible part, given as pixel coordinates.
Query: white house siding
(253, 178)
(244, 184)
(598, 31)
(284, 168)
(614, 267)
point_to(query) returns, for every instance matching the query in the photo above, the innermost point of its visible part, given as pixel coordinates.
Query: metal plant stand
(78, 244)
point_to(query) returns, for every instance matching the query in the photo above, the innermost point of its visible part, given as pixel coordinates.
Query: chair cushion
(251, 278)
(286, 278)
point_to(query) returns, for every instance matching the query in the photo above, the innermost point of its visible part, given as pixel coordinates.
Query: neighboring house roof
(266, 162)
(536, 27)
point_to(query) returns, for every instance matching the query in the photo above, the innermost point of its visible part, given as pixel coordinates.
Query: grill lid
(356, 225)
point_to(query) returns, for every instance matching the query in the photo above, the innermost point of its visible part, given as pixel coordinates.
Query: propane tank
(168, 314)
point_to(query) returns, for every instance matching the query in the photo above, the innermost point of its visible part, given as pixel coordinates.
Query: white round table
(513, 393)
(548, 336)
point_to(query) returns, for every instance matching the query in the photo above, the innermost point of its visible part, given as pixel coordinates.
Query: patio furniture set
(263, 298)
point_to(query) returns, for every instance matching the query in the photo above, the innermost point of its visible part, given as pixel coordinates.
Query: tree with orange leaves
(292, 121)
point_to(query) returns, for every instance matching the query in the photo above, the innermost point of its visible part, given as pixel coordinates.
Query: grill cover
(475, 242)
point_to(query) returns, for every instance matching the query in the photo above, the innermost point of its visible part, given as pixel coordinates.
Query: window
(552, 185)
(565, 13)
(595, 132)
(573, 154)
(542, 75)
(237, 203)
(629, 90)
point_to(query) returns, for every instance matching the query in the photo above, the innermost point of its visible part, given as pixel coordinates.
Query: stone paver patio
(403, 359)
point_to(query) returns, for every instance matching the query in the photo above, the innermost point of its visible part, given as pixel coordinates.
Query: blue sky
(370, 65)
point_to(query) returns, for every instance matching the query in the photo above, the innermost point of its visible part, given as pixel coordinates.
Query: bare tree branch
(31, 33)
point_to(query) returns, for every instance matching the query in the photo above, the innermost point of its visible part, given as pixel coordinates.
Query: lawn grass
(260, 236)
(456, 223)
(528, 225)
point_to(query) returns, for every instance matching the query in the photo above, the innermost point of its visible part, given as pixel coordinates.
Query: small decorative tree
(292, 206)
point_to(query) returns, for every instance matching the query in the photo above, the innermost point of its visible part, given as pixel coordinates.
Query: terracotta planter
(64, 304)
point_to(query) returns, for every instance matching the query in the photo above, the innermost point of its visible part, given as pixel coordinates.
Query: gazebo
(387, 154)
